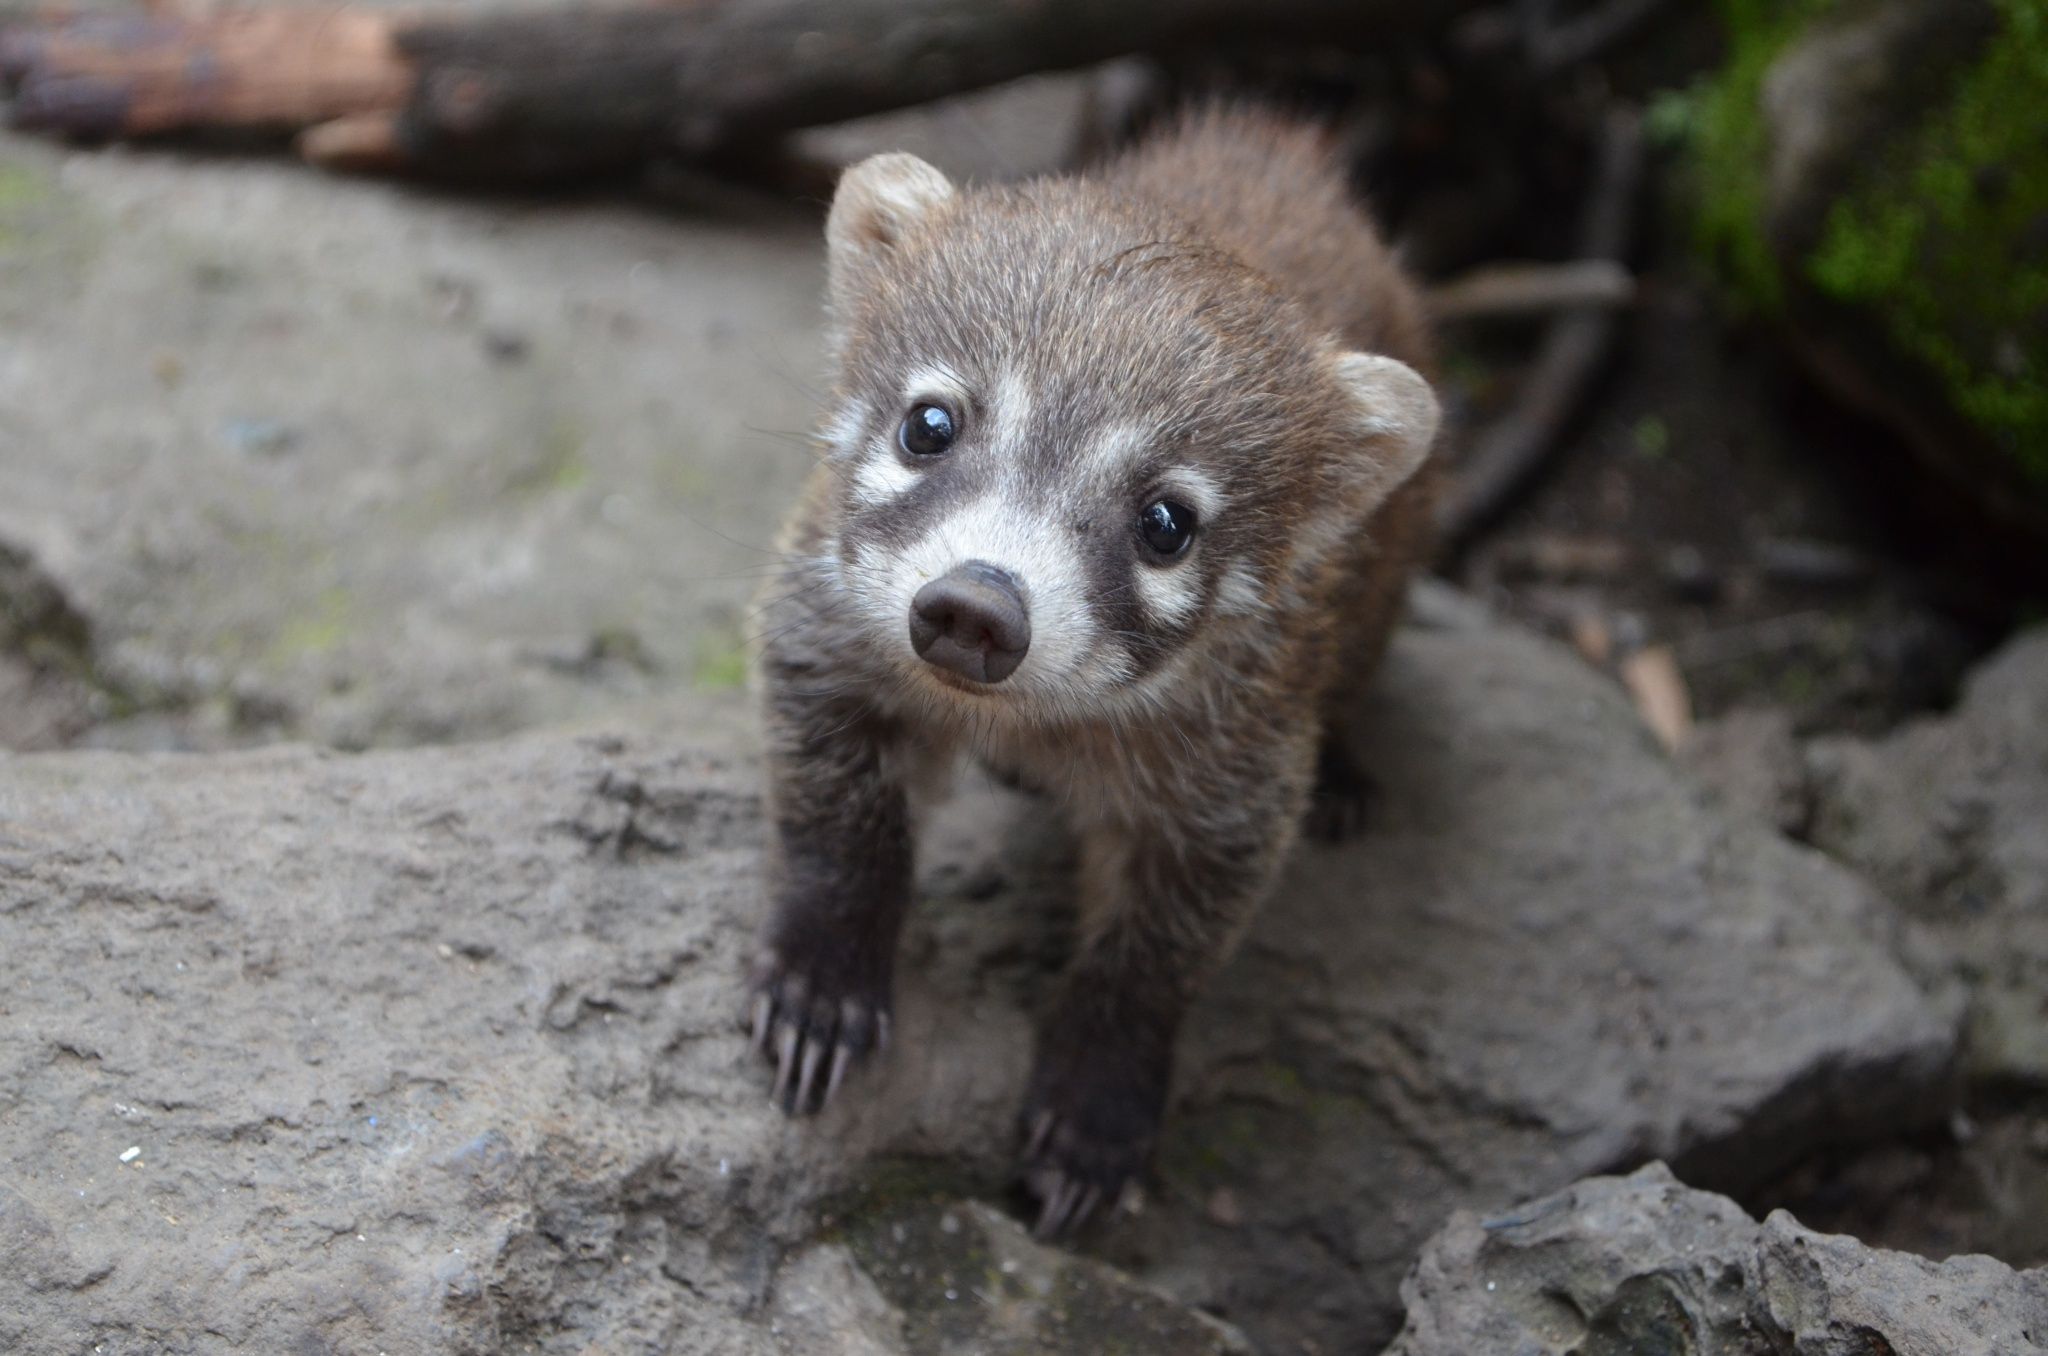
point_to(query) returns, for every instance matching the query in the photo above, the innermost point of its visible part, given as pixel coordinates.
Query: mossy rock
(1873, 175)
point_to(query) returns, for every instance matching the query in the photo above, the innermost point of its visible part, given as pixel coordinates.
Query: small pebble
(1812, 564)
(506, 346)
(133, 1152)
(259, 437)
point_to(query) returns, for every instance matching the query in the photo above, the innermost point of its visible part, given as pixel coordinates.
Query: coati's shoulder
(1274, 192)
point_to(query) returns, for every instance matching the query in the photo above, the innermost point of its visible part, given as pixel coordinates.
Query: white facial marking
(1118, 447)
(936, 384)
(1012, 415)
(993, 529)
(842, 433)
(1171, 595)
(882, 476)
(1198, 490)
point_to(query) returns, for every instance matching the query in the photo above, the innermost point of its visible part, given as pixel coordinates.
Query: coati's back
(1275, 194)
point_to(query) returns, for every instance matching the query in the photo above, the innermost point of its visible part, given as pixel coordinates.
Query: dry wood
(1658, 689)
(1509, 453)
(1593, 639)
(140, 74)
(1501, 291)
(582, 88)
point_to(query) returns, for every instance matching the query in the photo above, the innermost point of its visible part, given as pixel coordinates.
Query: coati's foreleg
(1162, 905)
(823, 982)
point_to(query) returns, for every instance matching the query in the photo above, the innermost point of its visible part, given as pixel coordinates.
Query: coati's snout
(971, 621)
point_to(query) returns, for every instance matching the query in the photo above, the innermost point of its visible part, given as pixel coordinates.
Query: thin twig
(1657, 688)
(1508, 455)
(1499, 291)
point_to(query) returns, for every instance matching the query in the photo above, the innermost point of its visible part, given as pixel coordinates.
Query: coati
(1125, 475)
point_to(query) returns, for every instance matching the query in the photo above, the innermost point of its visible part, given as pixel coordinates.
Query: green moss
(1942, 237)
(1730, 143)
(559, 466)
(1652, 437)
(48, 238)
(20, 189)
(888, 1188)
(1936, 240)
(721, 665)
(315, 632)
(28, 198)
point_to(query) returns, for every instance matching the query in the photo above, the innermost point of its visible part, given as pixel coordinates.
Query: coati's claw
(1052, 1213)
(1065, 1202)
(1041, 1126)
(1073, 1173)
(814, 1054)
(785, 1063)
(842, 1055)
(810, 1036)
(1089, 1200)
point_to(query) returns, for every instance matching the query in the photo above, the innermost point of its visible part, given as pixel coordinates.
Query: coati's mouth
(955, 683)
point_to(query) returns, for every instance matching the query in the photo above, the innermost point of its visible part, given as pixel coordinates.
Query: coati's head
(1073, 442)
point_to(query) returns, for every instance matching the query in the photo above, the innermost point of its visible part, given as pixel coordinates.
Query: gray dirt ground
(354, 463)
(437, 1049)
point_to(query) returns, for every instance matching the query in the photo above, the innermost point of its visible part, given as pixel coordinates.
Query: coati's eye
(927, 430)
(1167, 527)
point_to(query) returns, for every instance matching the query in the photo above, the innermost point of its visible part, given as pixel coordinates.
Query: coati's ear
(878, 202)
(1396, 415)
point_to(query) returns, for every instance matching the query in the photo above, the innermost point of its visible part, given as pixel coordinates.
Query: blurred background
(1744, 312)
(373, 378)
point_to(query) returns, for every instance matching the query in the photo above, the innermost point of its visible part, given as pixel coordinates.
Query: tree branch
(567, 90)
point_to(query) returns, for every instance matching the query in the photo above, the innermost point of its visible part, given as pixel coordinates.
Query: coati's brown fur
(1028, 378)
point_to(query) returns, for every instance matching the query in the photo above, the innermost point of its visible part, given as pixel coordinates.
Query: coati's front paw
(1088, 1132)
(815, 1017)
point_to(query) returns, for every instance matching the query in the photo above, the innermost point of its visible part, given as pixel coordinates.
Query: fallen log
(572, 90)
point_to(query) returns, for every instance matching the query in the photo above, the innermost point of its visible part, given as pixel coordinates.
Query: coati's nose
(971, 621)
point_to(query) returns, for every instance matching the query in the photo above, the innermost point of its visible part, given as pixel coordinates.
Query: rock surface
(434, 1050)
(1644, 1264)
(354, 463)
(1946, 816)
(1752, 764)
